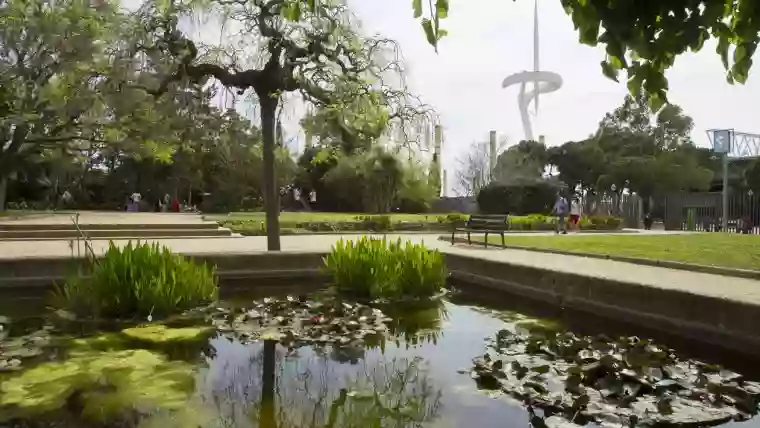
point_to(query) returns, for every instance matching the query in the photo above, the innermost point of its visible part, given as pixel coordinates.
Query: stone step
(227, 264)
(113, 233)
(22, 227)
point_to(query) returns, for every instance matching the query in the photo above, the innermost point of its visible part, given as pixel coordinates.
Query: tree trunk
(271, 195)
(268, 383)
(3, 191)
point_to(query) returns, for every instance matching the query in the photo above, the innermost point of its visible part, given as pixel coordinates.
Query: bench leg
(486, 240)
(502, 239)
(452, 237)
(469, 240)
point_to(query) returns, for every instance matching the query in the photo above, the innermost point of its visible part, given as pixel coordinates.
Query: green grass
(303, 217)
(713, 249)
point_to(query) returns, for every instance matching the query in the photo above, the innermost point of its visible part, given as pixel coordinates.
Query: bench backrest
(488, 222)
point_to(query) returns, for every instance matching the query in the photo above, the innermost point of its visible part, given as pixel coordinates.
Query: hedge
(384, 223)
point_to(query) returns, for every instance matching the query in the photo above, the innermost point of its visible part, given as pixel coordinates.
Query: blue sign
(721, 141)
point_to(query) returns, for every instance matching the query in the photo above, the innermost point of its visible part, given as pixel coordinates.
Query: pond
(356, 366)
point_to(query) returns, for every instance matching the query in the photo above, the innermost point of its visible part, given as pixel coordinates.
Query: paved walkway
(105, 217)
(700, 283)
(746, 290)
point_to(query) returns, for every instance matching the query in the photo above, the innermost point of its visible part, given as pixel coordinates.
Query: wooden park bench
(497, 224)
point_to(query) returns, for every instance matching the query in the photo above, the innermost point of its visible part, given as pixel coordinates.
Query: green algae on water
(105, 384)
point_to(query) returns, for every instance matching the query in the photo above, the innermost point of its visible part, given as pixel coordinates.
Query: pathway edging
(715, 270)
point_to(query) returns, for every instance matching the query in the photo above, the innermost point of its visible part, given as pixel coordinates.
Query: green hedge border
(385, 223)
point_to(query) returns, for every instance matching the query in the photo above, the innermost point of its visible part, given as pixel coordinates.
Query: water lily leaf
(361, 395)
(667, 384)
(580, 402)
(728, 375)
(159, 333)
(664, 405)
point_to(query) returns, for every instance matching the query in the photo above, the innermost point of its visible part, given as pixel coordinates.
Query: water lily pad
(611, 382)
(159, 333)
(296, 321)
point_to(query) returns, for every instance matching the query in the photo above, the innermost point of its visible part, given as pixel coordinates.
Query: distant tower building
(492, 151)
(435, 164)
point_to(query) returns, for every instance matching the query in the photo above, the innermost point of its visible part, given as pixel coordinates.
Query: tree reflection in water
(313, 391)
(267, 386)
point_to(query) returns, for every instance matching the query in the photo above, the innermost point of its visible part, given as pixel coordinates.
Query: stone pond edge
(726, 323)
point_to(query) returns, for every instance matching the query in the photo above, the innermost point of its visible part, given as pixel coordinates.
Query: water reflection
(259, 385)
(409, 377)
(265, 385)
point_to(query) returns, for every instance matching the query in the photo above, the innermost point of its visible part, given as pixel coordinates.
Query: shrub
(377, 223)
(518, 199)
(138, 281)
(419, 271)
(359, 267)
(373, 268)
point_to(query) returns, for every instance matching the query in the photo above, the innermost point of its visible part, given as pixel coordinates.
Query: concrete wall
(727, 323)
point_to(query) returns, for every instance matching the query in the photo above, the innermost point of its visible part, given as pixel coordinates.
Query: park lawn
(714, 249)
(305, 217)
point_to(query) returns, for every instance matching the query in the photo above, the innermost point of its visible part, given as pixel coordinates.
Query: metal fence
(628, 207)
(704, 212)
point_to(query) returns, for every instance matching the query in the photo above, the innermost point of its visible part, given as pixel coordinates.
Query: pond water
(417, 373)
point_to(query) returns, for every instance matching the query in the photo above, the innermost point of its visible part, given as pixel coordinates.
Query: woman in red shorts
(575, 213)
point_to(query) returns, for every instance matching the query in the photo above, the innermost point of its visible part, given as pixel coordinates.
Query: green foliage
(517, 199)
(374, 268)
(138, 281)
(644, 39)
(377, 223)
(545, 222)
(521, 163)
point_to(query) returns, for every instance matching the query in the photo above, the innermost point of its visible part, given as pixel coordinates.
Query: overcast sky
(491, 39)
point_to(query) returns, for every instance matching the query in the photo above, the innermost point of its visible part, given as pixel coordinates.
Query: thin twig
(87, 244)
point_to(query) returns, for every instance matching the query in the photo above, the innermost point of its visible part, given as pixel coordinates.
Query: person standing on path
(560, 210)
(136, 198)
(575, 213)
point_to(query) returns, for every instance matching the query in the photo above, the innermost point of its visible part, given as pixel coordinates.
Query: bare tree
(473, 171)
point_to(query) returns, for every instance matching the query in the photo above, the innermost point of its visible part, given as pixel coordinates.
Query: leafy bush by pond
(374, 268)
(138, 281)
(544, 222)
(383, 223)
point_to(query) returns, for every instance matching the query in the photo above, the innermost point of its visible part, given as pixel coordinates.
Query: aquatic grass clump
(139, 280)
(378, 269)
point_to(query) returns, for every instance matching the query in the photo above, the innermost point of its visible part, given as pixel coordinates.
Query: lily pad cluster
(296, 321)
(625, 382)
(16, 350)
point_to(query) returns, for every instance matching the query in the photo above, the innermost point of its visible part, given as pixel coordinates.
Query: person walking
(560, 210)
(575, 214)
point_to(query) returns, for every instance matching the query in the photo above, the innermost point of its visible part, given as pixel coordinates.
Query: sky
(491, 39)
